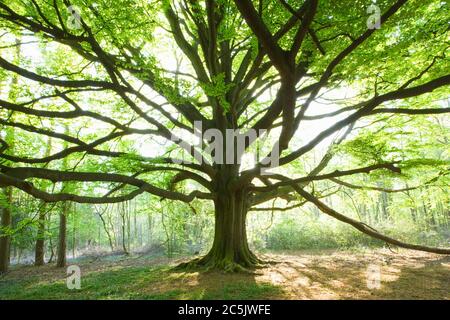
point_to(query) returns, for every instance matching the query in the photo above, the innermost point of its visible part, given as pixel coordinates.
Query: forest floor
(324, 274)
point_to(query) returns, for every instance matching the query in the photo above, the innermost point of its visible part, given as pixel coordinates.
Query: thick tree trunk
(62, 242)
(230, 250)
(40, 240)
(5, 240)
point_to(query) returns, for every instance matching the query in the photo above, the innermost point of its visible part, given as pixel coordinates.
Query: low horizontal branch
(337, 173)
(23, 173)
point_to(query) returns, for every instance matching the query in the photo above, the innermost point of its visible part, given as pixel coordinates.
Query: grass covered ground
(291, 275)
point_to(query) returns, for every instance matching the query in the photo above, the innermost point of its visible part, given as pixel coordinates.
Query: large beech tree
(122, 72)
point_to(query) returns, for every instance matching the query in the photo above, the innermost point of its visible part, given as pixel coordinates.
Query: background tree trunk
(6, 218)
(105, 227)
(62, 243)
(74, 231)
(5, 240)
(50, 239)
(122, 212)
(62, 234)
(40, 239)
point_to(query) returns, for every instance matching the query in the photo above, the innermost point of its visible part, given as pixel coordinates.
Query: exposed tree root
(224, 265)
(212, 262)
(365, 228)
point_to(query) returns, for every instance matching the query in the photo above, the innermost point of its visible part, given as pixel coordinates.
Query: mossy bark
(230, 250)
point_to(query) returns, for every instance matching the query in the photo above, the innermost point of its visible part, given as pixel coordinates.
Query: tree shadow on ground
(203, 283)
(404, 275)
(430, 280)
(295, 275)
